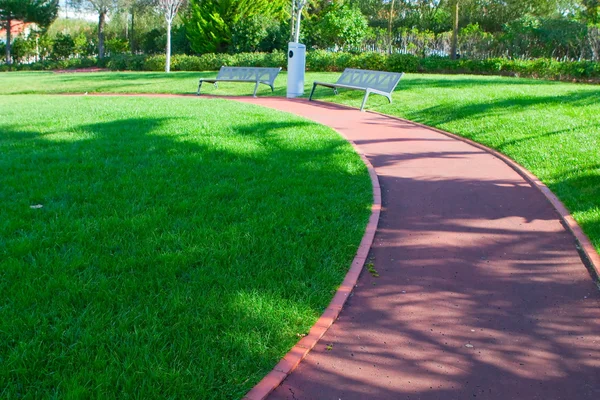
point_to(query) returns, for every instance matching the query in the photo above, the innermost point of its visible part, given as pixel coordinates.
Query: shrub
(183, 62)
(403, 63)
(276, 59)
(157, 63)
(22, 49)
(126, 62)
(117, 46)
(249, 59)
(320, 60)
(63, 47)
(323, 61)
(374, 61)
(209, 62)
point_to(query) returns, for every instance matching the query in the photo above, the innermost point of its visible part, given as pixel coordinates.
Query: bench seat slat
(378, 82)
(256, 75)
(338, 85)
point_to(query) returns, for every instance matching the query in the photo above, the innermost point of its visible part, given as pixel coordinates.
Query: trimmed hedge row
(323, 61)
(46, 65)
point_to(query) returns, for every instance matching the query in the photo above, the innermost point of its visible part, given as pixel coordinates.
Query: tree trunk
(8, 26)
(101, 23)
(168, 61)
(455, 32)
(390, 26)
(132, 32)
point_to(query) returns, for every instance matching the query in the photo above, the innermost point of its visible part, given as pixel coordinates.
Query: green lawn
(181, 247)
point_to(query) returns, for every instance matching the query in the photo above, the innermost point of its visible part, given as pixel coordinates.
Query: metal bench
(377, 82)
(244, 74)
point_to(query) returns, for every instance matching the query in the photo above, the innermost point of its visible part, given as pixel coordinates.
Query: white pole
(168, 58)
(301, 4)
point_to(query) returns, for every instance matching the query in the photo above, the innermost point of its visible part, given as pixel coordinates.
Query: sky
(68, 12)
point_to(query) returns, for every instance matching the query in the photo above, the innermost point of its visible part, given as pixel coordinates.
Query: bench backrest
(249, 74)
(378, 80)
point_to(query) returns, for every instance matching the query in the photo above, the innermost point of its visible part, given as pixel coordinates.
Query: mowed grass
(551, 128)
(127, 82)
(182, 246)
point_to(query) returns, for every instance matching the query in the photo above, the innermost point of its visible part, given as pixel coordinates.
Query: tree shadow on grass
(129, 76)
(193, 260)
(444, 113)
(580, 191)
(471, 82)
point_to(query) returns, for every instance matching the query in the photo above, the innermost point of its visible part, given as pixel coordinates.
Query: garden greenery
(324, 61)
(547, 41)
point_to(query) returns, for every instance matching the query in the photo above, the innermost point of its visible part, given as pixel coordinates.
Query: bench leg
(312, 92)
(389, 97)
(272, 88)
(255, 89)
(362, 106)
(199, 86)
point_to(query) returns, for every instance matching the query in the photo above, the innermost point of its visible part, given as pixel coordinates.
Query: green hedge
(323, 61)
(72, 63)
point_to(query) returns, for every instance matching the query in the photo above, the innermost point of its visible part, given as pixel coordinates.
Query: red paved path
(469, 254)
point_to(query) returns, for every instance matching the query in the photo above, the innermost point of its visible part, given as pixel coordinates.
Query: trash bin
(295, 72)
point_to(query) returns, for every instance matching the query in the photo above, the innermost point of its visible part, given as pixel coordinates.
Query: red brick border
(586, 249)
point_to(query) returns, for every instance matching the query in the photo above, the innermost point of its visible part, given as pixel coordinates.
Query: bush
(374, 61)
(71, 63)
(249, 60)
(63, 47)
(183, 62)
(22, 49)
(403, 62)
(126, 62)
(157, 63)
(276, 59)
(117, 46)
(323, 61)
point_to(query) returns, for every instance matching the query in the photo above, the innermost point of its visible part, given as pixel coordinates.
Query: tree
(209, 22)
(591, 11)
(40, 12)
(342, 26)
(297, 7)
(136, 8)
(454, 48)
(102, 8)
(169, 9)
(63, 46)
(492, 15)
(390, 26)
